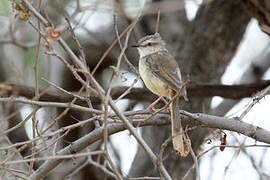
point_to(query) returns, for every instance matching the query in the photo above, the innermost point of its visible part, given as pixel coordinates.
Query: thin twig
(162, 149)
(194, 157)
(50, 104)
(127, 61)
(103, 168)
(22, 123)
(157, 22)
(109, 49)
(121, 47)
(35, 68)
(255, 100)
(54, 157)
(63, 90)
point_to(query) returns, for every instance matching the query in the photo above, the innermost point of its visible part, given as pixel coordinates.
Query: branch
(50, 104)
(101, 94)
(254, 73)
(231, 124)
(194, 90)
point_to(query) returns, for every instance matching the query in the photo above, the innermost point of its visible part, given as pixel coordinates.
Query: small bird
(161, 75)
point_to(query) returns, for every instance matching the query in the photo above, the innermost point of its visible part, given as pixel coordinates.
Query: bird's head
(150, 44)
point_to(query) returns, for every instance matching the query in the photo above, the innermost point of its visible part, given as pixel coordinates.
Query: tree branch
(194, 90)
(231, 124)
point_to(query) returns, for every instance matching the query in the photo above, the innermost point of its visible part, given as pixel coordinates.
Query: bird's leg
(151, 106)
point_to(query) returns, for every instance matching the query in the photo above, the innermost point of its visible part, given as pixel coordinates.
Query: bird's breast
(152, 82)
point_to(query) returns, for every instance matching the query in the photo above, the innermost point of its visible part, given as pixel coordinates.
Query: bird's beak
(135, 45)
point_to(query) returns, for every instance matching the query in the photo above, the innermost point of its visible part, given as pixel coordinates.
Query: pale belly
(152, 82)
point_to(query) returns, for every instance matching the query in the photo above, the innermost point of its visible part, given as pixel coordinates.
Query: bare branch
(50, 104)
(197, 90)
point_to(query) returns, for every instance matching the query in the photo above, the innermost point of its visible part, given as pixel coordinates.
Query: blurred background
(213, 41)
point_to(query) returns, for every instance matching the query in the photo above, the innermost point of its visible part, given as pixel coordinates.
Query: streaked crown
(151, 44)
(154, 38)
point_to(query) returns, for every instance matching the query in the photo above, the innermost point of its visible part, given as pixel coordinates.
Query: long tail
(177, 131)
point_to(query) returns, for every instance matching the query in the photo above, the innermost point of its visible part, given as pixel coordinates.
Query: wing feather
(166, 68)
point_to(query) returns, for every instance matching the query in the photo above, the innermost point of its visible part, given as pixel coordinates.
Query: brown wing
(166, 68)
